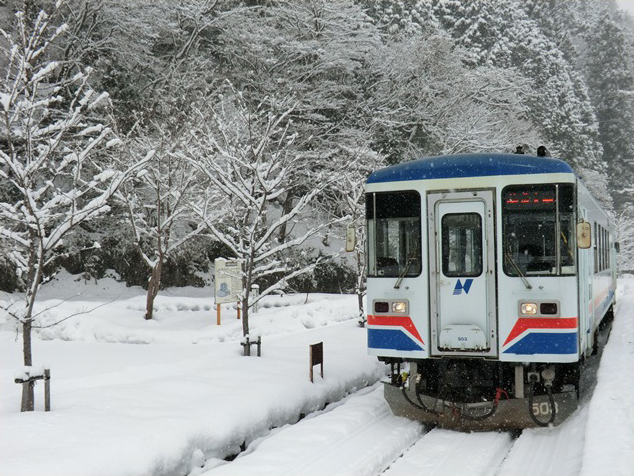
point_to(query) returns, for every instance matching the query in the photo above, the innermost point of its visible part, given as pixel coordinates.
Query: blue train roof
(469, 165)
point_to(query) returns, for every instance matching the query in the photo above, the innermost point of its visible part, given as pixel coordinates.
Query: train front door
(461, 227)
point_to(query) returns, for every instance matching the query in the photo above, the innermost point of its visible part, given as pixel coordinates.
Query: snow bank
(188, 397)
(609, 445)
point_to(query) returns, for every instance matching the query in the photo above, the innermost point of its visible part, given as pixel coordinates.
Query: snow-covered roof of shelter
(469, 165)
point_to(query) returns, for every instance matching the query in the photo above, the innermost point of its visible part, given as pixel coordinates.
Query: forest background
(149, 138)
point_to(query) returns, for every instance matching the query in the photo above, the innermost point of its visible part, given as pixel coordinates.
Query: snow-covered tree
(349, 194)
(157, 201)
(248, 155)
(624, 236)
(142, 51)
(502, 35)
(56, 169)
(428, 102)
(314, 53)
(610, 78)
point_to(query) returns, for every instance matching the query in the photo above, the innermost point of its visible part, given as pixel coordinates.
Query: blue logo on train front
(462, 287)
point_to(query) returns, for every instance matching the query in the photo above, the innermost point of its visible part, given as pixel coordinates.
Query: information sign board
(228, 281)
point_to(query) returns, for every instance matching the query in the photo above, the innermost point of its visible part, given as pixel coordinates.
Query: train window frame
(558, 218)
(596, 247)
(606, 247)
(405, 225)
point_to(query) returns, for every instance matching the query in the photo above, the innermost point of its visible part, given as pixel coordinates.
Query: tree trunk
(28, 393)
(245, 314)
(34, 279)
(286, 209)
(153, 289)
(360, 280)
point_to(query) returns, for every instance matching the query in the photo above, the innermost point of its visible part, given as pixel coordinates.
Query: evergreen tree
(502, 35)
(610, 78)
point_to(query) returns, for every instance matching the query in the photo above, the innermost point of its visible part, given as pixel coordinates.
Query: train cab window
(462, 245)
(538, 230)
(394, 236)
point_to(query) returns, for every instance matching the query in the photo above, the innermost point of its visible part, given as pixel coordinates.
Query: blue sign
(462, 287)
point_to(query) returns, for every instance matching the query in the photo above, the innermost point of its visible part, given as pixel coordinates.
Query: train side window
(605, 249)
(596, 248)
(601, 248)
(601, 238)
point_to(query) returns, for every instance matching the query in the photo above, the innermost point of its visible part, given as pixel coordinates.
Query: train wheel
(572, 376)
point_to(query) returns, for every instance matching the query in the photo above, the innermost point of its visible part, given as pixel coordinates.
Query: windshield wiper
(518, 270)
(410, 262)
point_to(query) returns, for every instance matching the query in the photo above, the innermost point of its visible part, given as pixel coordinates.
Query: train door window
(462, 244)
(394, 237)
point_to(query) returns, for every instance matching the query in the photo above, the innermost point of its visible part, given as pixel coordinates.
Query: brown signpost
(316, 357)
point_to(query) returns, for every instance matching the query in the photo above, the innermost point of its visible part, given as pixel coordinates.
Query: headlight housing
(539, 308)
(397, 307)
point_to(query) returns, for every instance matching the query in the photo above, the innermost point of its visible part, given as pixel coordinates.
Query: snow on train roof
(469, 165)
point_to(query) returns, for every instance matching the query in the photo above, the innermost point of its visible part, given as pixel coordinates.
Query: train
(489, 279)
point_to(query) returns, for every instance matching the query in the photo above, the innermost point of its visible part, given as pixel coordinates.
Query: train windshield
(538, 230)
(394, 247)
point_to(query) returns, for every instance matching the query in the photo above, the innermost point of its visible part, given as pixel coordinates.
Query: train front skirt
(510, 414)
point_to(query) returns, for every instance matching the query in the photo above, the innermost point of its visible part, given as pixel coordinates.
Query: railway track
(358, 436)
(445, 452)
(361, 436)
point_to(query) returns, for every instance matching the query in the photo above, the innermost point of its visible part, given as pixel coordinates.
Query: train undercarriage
(484, 395)
(468, 394)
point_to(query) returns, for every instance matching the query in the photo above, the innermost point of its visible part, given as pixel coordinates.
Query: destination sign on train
(533, 199)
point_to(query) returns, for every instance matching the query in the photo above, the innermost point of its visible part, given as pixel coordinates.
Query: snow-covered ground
(175, 396)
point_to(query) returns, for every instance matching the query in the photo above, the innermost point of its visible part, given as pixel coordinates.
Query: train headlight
(528, 308)
(399, 307)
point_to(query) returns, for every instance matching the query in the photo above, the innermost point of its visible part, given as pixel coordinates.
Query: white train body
(475, 277)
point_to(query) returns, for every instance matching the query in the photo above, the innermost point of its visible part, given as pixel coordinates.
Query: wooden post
(247, 343)
(28, 382)
(47, 390)
(218, 314)
(24, 407)
(238, 307)
(316, 357)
